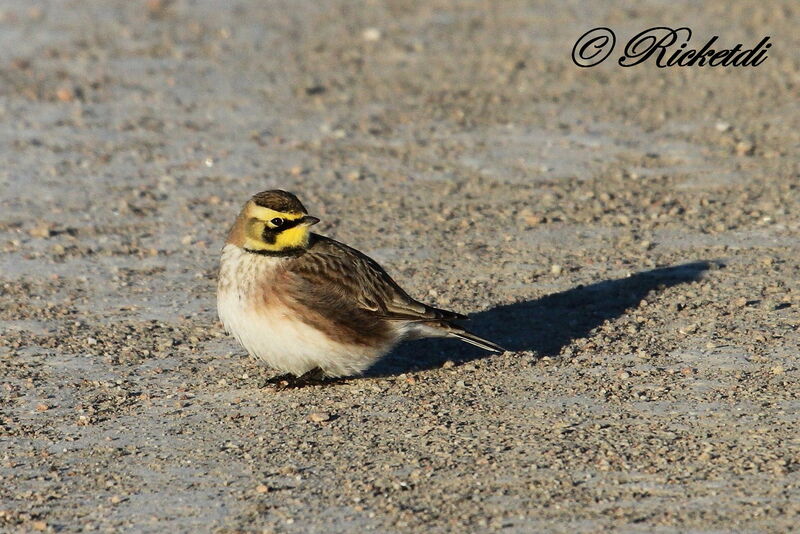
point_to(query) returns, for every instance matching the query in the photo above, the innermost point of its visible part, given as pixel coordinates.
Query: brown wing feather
(333, 275)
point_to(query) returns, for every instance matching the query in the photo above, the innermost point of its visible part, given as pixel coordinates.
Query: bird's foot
(280, 381)
(314, 377)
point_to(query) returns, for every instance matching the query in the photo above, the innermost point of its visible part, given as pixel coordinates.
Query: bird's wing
(331, 274)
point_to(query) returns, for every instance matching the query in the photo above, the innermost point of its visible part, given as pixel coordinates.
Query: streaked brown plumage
(304, 302)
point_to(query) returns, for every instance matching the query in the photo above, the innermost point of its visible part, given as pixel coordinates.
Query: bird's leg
(312, 376)
(290, 381)
(279, 381)
(317, 377)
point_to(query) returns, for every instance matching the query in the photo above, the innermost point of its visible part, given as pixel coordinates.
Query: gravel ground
(631, 235)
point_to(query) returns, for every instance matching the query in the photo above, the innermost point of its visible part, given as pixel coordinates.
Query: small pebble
(65, 95)
(371, 34)
(744, 148)
(319, 417)
(42, 229)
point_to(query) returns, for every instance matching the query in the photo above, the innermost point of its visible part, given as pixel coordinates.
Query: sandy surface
(631, 234)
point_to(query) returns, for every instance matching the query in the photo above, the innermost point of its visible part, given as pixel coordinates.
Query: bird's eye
(277, 221)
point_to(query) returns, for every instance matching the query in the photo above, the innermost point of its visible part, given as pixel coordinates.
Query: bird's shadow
(544, 325)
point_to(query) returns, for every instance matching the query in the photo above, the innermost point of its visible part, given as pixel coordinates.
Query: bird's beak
(308, 220)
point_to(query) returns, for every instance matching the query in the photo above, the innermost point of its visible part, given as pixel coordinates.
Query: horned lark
(304, 303)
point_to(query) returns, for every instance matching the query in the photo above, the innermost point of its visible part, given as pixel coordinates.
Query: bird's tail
(452, 330)
(472, 339)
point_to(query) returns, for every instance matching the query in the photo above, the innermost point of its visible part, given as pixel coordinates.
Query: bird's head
(272, 222)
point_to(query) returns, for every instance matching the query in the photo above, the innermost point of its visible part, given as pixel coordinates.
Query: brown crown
(279, 200)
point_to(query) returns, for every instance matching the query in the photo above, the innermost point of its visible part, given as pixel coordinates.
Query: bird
(310, 306)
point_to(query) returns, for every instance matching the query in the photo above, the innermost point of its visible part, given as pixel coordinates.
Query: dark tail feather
(472, 339)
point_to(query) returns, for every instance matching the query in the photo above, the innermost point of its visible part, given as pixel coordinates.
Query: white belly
(273, 335)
